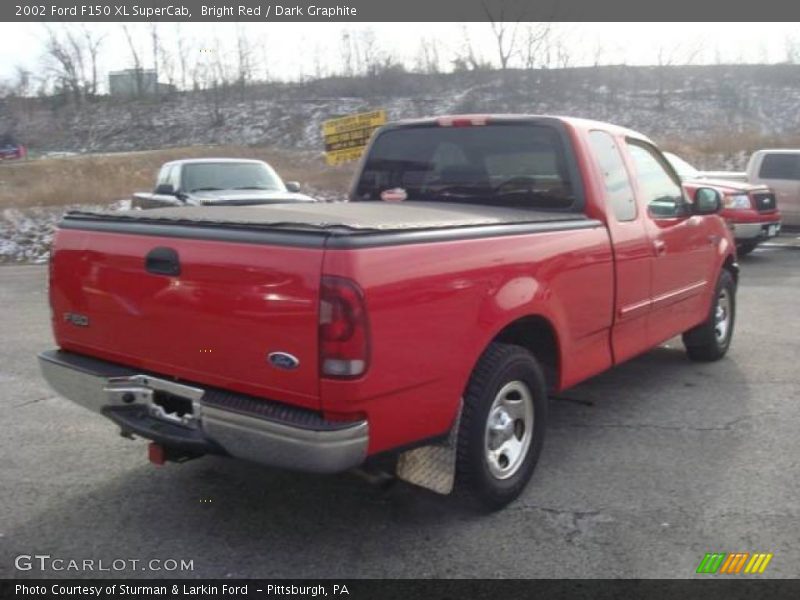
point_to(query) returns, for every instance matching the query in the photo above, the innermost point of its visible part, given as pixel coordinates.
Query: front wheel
(710, 340)
(502, 426)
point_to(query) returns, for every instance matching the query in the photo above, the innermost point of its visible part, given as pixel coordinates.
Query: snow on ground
(26, 233)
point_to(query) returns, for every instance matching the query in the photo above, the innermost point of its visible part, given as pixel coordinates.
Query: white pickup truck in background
(778, 168)
(218, 182)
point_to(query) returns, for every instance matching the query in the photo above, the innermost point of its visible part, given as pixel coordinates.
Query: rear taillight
(343, 329)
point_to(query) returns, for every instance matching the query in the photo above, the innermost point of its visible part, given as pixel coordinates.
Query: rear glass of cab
(516, 164)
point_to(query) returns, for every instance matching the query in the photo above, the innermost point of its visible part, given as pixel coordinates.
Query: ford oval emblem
(283, 360)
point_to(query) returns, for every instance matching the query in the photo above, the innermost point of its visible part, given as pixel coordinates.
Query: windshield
(229, 176)
(521, 165)
(684, 169)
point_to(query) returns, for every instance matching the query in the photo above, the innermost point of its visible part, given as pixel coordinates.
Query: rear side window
(507, 164)
(618, 187)
(662, 192)
(780, 166)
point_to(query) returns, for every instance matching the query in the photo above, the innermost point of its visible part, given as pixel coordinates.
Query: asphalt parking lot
(645, 469)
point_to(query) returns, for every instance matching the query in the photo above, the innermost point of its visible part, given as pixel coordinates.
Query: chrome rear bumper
(210, 420)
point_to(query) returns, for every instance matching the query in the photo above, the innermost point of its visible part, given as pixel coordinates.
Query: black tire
(745, 248)
(704, 343)
(500, 366)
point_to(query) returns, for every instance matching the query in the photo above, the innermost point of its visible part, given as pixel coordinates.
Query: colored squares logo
(723, 563)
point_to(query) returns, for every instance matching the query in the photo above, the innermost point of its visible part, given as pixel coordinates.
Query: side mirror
(293, 186)
(707, 201)
(165, 189)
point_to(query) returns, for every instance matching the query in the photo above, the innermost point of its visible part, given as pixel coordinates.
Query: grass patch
(725, 150)
(103, 178)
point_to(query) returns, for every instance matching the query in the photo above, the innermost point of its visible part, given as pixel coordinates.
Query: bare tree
(183, 55)
(466, 59)
(369, 52)
(221, 72)
(215, 76)
(155, 43)
(319, 68)
(792, 50)
(669, 57)
(346, 52)
(562, 55)
(166, 68)
(427, 60)
(22, 81)
(64, 60)
(244, 60)
(93, 42)
(536, 40)
(598, 54)
(136, 59)
(505, 32)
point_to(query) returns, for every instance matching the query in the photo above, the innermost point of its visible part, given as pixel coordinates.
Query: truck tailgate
(215, 323)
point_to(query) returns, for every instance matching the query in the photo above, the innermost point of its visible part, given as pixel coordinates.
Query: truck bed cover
(342, 224)
(340, 216)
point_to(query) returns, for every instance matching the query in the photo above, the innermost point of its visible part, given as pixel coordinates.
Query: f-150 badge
(76, 319)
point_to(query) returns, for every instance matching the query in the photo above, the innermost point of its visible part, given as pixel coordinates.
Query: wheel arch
(538, 335)
(730, 265)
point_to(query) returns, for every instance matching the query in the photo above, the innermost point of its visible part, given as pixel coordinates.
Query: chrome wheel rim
(509, 429)
(722, 316)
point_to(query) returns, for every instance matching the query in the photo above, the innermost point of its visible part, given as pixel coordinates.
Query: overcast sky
(295, 50)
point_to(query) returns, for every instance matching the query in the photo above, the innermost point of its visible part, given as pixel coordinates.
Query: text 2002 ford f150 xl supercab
(518, 254)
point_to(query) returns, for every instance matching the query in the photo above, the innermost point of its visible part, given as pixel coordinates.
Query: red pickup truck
(751, 211)
(482, 262)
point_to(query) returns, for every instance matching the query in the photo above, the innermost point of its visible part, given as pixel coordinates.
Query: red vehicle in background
(751, 211)
(518, 256)
(10, 149)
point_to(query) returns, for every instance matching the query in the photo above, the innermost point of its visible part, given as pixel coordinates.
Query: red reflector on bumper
(156, 454)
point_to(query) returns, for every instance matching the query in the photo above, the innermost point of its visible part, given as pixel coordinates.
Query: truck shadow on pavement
(234, 519)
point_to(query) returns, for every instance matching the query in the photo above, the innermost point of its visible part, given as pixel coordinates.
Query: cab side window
(662, 191)
(618, 187)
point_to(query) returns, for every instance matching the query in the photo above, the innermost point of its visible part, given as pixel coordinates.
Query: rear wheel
(502, 426)
(710, 340)
(745, 248)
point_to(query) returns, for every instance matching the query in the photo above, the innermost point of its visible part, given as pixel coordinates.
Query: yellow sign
(346, 137)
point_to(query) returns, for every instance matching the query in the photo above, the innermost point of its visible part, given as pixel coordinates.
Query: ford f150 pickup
(218, 182)
(481, 263)
(778, 168)
(750, 210)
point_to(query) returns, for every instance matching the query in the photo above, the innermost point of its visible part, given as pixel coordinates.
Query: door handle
(660, 247)
(162, 261)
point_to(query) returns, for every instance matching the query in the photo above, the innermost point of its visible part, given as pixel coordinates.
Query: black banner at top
(354, 11)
